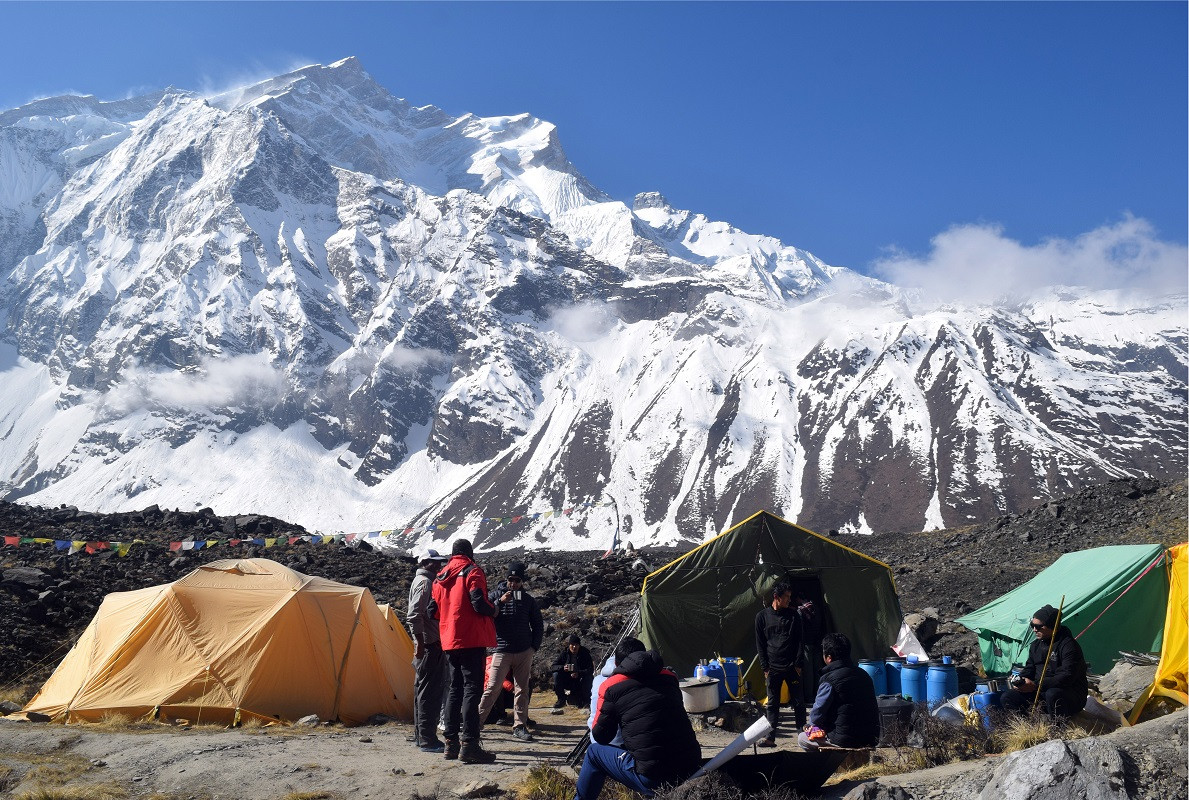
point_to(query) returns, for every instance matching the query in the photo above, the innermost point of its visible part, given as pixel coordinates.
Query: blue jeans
(604, 761)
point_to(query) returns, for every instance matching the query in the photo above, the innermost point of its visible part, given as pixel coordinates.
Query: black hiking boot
(473, 753)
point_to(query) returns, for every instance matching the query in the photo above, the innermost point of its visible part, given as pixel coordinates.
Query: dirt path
(273, 763)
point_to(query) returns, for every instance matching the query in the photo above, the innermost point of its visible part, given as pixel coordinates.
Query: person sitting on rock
(845, 712)
(573, 672)
(1063, 687)
(642, 701)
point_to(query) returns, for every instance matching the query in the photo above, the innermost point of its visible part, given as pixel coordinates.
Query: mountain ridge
(431, 319)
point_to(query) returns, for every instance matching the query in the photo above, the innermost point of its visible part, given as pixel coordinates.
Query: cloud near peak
(979, 263)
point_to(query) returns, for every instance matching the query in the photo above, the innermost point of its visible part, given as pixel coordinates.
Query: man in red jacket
(467, 627)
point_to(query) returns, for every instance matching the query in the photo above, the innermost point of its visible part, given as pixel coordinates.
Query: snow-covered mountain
(309, 299)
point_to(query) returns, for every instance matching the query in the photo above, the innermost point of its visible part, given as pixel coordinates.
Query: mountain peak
(650, 200)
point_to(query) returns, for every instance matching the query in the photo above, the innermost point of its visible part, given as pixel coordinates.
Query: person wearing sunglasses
(1062, 684)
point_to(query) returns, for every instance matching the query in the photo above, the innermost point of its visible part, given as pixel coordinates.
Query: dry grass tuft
(900, 761)
(545, 783)
(309, 796)
(20, 693)
(89, 791)
(1019, 732)
(55, 769)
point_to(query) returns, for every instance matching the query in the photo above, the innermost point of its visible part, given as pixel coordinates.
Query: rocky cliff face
(310, 299)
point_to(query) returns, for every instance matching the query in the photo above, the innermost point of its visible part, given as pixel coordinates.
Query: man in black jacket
(1064, 686)
(642, 701)
(778, 643)
(573, 673)
(845, 712)
(518, 632)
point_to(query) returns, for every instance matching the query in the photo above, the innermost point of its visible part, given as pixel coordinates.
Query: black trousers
(773, 681)
(1055, 702)
(466, 673)
(429, 684)
(579, 688)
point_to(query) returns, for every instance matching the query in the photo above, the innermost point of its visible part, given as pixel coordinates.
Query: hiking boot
(768, 741)
(473, 753)
(521, 733)
(451, 749)
(432, 747)
(558, 708)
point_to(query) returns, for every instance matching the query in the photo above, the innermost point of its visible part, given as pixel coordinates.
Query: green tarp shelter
(1115, 599)
(704, 603)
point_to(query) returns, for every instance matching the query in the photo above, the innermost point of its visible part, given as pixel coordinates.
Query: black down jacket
(643, 699)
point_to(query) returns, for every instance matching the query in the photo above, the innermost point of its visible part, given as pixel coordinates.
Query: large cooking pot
(699, 694)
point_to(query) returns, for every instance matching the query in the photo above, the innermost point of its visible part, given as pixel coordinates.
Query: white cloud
(585, 322)
(401, 357)
(244, 381)
(978, 263)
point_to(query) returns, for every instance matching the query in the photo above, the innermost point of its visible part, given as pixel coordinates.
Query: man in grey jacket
(429, 664)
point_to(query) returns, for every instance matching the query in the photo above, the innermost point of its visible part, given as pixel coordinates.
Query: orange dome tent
(236, 640)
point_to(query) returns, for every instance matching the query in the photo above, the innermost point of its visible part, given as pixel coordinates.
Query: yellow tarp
(234, 640)
(1170, 680)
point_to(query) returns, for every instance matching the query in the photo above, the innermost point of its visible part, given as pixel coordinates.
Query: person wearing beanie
(518, 632)
(465, 617)
(573, 674)
(1060, 688)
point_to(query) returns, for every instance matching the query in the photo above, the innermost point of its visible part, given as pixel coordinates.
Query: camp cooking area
(246, 671)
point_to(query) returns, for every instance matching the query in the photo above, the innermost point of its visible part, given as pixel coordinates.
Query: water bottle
(700, 670)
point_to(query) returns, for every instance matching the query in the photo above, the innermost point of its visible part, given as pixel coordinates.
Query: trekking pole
(575, 756)
(1043, 669)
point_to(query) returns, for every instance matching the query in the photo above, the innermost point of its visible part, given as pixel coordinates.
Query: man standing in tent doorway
(465, 617)
(429, 665)
(1063, 686)
(778, 643)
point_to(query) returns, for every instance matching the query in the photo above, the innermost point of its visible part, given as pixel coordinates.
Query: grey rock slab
(1056, 770)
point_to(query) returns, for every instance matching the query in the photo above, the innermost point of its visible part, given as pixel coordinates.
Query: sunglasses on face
(1036, 626)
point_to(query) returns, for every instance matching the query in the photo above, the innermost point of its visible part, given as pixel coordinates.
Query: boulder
(24, 576)
(1123, 685)
(1088, 769)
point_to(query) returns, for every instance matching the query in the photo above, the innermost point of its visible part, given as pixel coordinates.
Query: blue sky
(842, 128)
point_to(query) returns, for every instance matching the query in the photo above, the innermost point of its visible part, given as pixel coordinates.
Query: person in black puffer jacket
(845, 712)
(641, 700)
(1065, 685)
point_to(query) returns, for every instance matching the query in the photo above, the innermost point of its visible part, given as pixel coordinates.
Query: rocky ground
(47, 597)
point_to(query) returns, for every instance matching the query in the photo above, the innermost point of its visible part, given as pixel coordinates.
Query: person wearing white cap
(429, 664)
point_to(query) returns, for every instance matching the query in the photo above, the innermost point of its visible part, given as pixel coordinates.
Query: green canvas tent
(705, 602)
(1115, 599)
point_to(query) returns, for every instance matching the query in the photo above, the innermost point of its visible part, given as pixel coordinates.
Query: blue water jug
(891, 673)
(732, 677)
(941, 684)
(913, 682)
(874, 668)
(983, 702)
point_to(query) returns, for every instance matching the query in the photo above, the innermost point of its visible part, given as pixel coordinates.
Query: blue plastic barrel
(913, 682)
(891, 674)
(941, 684)
(874, 668)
